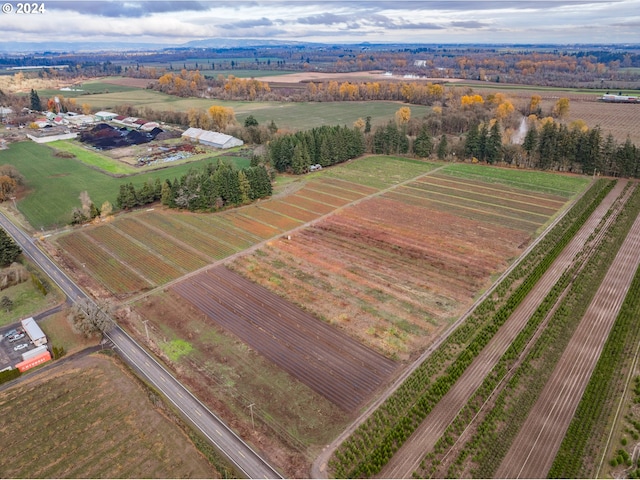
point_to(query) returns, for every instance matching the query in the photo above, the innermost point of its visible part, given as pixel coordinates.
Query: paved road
(247, 461)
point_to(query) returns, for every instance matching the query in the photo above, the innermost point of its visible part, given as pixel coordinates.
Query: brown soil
(388, 274)
(291, 421)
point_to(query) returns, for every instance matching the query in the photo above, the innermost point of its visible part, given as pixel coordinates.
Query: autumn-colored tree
(469, 100)
(579, 124)
(403, 115)
(221, 117)
(359, 123)
(106, 210)
(534, 104)
(561, 108)
(504, 110)
(7, 187)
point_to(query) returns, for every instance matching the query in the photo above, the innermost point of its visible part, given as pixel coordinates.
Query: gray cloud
(117, 9)
(258, 22)
(469, 24)
(325, 19)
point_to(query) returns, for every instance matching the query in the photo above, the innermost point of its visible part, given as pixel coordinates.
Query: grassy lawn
(86, 89)
(60, 334)
(552, 183)
(92, 158)
(28, 300)
(54, 184)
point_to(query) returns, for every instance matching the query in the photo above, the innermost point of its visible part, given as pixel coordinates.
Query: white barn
(212, 139)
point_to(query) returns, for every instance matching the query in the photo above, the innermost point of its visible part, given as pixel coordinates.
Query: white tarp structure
(212, 139)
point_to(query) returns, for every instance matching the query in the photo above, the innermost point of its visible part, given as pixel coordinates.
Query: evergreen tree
(494, 144)
(472, 140)
(367, 124)
(9, 250)
(166, 196)
(423, 145)
(442, 147)
(36, 104)
(483, 142)
(250, 121)
(530, 141)
(245, 187)
(6, 303)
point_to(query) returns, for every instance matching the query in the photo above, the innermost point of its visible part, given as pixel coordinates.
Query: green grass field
(287, 115)
(552, 183)
(54, 184)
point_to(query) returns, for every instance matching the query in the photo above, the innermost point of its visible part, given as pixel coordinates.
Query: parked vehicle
(16, 337)
(21, 346)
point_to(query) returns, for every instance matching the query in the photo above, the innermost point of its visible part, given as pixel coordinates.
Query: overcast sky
(407, 21)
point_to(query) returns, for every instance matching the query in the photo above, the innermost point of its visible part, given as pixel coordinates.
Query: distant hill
(42, 47)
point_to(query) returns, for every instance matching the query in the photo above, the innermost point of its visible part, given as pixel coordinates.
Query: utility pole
(144, 322)
(252, 422)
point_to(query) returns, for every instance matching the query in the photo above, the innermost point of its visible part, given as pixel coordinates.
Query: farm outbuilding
(34, 331)
(212, 139)
(103, 116)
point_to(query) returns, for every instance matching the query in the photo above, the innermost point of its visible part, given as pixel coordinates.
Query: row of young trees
(209, 188)
(319, 146)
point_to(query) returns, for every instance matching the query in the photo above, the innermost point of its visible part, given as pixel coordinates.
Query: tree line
(323, 146)
(209, 188)
(556, 146)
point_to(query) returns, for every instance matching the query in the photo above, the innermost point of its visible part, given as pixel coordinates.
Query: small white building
(34, 331)
(212, 139)
(103, 116)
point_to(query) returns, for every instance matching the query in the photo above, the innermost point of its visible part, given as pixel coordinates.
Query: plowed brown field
(334, 365)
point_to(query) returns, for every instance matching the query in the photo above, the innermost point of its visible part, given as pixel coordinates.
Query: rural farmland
(91, 414)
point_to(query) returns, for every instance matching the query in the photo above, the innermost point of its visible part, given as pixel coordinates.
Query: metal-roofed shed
(34, 331)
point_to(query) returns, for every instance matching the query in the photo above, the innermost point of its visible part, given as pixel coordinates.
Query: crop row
(591, 416)
(281, 207)
(493, 198)
(490, 207)
(111, 273)
(165, 246)
(360, 189)
(527, 196)
(502, 423)
(218, 228)
(314, 206)
(134, 255)
(476, 213)
(251, 225)
(189, 235)
(277, 220)
(376, 440)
